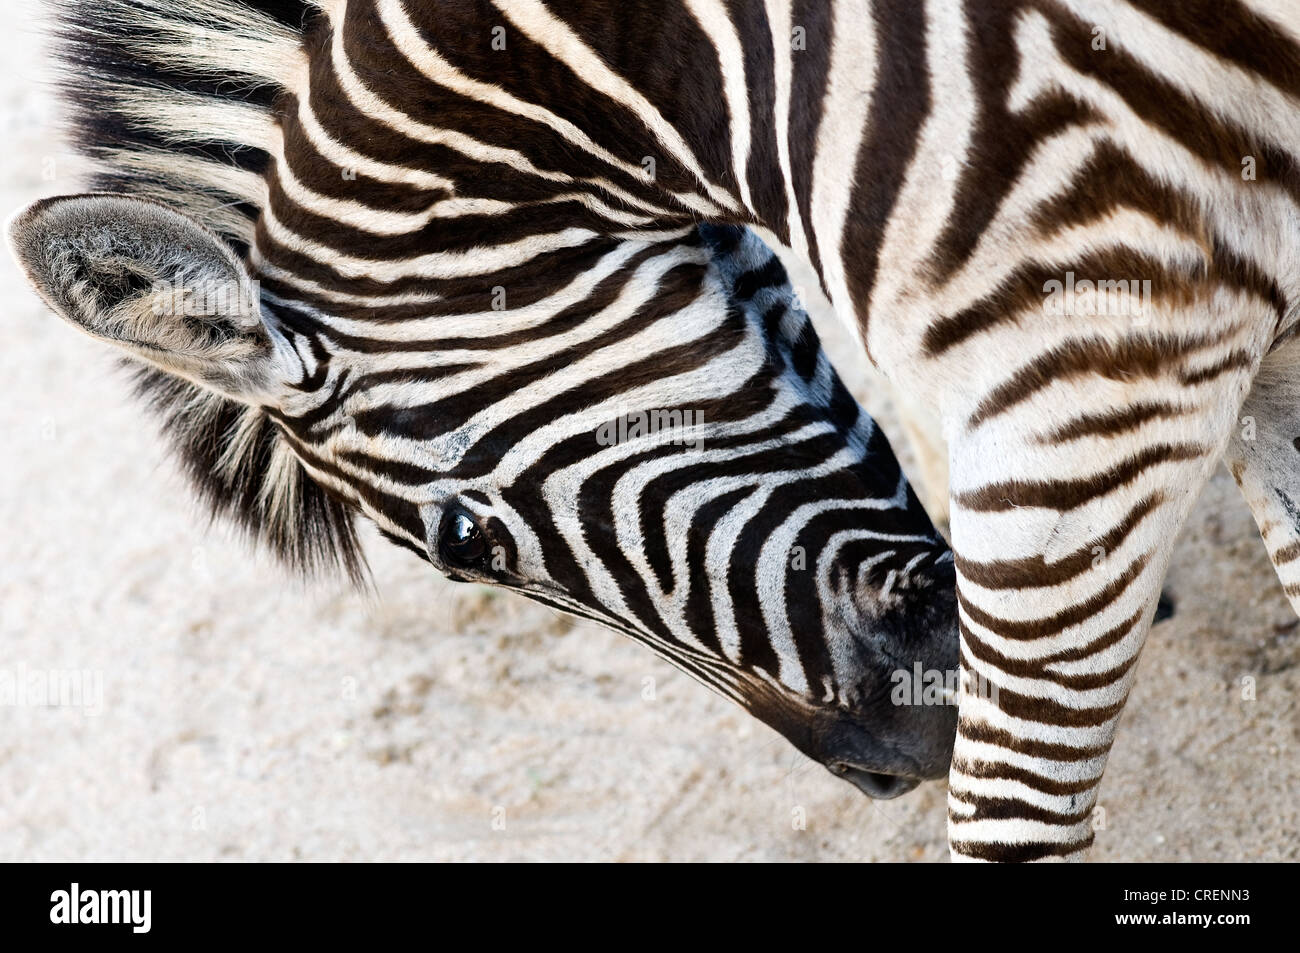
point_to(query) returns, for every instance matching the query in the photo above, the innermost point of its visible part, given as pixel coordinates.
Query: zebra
(1060, 225)
(645, 433)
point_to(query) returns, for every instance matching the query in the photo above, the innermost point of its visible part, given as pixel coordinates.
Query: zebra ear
(152, 282)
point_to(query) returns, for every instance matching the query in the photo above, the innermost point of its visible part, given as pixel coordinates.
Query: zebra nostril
(873, 783)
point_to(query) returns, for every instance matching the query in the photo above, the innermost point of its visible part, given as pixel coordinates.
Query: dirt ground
(246, 716)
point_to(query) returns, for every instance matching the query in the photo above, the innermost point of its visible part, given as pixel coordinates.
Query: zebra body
(943, 166)
(946, 164)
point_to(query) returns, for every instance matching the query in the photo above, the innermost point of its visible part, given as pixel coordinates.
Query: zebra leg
(924, 434)
(1058, 580)
(1263, 456)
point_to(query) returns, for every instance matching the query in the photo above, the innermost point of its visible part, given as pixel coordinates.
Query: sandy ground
(246, 716)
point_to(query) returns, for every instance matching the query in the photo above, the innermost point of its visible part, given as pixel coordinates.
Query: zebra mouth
(873, 784)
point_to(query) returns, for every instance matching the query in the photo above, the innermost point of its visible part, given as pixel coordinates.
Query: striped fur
(938, 164)
(441, 353)
(947, 168)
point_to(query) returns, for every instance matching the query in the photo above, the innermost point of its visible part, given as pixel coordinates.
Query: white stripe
(718, 27)
(849, 90)
(781, 15)
(435, 265)
(511, 321)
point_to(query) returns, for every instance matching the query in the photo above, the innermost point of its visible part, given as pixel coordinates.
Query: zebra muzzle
(873, 784)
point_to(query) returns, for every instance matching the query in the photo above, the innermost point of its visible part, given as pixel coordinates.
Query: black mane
(130, 73)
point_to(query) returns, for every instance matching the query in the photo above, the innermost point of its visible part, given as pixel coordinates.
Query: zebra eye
(460, 541)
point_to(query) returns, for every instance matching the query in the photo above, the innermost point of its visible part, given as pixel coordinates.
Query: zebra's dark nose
(886, 753)
(873, 784)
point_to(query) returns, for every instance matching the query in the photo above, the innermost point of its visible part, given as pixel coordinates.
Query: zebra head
(510, 369)
(656, 442)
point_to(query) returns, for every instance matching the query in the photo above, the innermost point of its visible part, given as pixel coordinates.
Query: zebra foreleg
(1062, 545)
(924, 436)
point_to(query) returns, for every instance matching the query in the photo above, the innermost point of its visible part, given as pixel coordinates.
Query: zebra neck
(662, 116)
(798, 118)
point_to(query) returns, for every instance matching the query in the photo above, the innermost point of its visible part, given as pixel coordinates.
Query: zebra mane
(172, 100)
